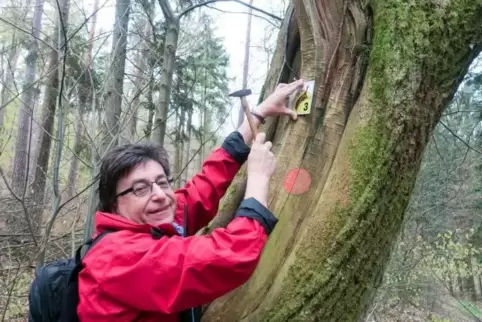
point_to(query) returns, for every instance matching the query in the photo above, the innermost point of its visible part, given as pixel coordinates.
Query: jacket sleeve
(201, 194)
(178, 273)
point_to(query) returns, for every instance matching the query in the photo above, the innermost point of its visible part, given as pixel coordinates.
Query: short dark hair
(119, 161)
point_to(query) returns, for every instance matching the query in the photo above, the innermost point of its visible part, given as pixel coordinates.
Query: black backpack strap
(70, 295)
(91, 243)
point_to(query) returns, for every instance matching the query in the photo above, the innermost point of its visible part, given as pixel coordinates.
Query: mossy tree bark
(384, 72)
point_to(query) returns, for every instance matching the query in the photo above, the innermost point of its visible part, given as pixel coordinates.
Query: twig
(239, 12)
(203, 143)
(186, 11)
(27, 32)
(459, 138)
(27, 217)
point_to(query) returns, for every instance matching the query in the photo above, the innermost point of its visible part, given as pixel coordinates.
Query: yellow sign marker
(301, 101)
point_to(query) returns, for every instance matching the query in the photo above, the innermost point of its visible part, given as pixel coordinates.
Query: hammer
(244, 103)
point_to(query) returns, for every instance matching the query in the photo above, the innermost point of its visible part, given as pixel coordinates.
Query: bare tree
(22, 144)
(85, 96)
(52, 93)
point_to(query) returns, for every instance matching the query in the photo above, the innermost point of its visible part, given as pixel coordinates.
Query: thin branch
(203, 143)
(460, 139)
(245, 13)
(22, 202)
(83, 24)
(237, 1)
(438, 152)
(456, 112)
(27, 32)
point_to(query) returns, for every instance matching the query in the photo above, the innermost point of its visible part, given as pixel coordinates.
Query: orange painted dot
(297, 181)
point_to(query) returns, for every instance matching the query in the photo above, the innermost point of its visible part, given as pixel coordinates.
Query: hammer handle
(245, 105)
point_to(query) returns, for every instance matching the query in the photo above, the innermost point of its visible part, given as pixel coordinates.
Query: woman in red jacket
(152, 267)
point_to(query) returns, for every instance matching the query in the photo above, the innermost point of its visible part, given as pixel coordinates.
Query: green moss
(419, 47)
(420, 35)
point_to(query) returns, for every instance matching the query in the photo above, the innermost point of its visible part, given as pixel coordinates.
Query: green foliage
(425, 269)
(426, 37)
(200, 79)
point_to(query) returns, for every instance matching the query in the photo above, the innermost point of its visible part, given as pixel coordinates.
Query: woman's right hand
(261, 161)
(261, 166)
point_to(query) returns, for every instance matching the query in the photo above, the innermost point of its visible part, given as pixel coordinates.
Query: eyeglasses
(142, 188)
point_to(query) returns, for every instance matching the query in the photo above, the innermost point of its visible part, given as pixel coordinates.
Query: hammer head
(241, 93)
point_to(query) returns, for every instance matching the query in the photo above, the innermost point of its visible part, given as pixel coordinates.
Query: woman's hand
(275, 104)
(261, 161)
(261, 166)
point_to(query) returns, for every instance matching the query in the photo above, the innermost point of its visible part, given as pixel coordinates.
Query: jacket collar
(108, 221)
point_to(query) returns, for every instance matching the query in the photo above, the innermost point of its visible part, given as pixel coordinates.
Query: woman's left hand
(275, 104)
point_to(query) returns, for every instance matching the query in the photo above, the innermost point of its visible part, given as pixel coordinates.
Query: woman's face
(146, 196)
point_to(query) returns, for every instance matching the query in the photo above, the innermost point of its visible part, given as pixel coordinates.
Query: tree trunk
(170, 47)
(187, 151)
(141, 79)
(115, 78)
(48, 113)
(112, 103)
(384, 74)
(9, 76)
(179, 145)
(152, 109)
(85, 95)
(469, 280)
(22, 143)
(20, 161)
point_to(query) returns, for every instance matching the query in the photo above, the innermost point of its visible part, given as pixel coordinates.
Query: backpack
(54, 293)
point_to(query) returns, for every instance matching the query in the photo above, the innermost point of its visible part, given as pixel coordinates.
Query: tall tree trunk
(179, 145)
(112, 103)
(247, 46)
(26, 109)
(115, 78)
(48, 112)
(85, 95)
(470, 290)
(202, 115)
(22, 142)
(74, 164)
(152, 109)
(187, 151)
(170, 47)
(9, 76)
(383, 74)
(141, 79)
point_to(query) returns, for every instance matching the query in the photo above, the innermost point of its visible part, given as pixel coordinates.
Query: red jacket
(132, 275)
